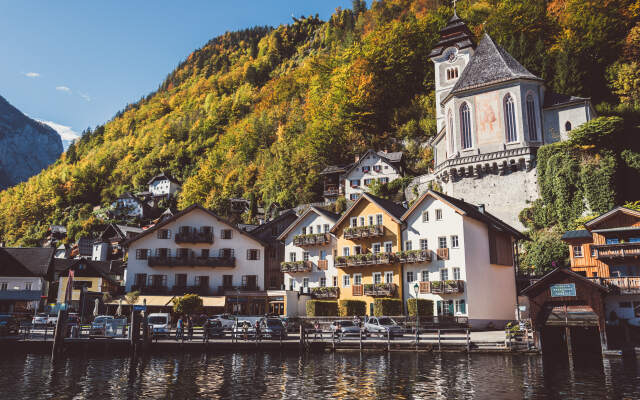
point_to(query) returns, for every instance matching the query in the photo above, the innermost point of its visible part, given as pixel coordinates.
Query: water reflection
(330, 375)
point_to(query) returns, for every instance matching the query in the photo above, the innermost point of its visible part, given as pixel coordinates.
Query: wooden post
(526, 334)
(439, 343)
(360, 339)
(333, 340)
(59, 334)
(567, 331)
(468, 341)
(301, 336)
(388, 340)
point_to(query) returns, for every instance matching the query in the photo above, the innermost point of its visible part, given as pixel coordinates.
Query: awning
(574, 316)
(155, 301)
(213, 301)
(20, 295)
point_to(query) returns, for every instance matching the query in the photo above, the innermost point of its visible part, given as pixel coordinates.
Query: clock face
(451, 54)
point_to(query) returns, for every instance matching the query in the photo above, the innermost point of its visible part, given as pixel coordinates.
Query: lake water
(328, 375)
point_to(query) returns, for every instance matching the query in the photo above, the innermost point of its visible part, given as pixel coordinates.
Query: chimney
(356, 158)
(481, 208)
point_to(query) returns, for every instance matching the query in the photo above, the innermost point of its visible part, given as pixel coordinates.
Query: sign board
(139, 308)
(563, 290)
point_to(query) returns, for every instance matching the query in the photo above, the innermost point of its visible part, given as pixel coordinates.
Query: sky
(74, 64)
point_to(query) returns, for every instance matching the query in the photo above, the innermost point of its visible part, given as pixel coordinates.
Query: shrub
(424, 306)
(322, 308)
(352, 307)
(187, 304)
(387, 306)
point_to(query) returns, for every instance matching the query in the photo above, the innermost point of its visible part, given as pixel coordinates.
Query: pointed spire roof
(490, 64)
(456, 33)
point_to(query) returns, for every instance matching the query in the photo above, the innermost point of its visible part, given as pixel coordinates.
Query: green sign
(563, 290)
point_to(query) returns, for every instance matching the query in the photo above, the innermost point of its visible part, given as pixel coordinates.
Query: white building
(194, 251)
(308, 252)
(129, 205)
(24, 277)
(163, 185)
(354, 179)
(471, 268)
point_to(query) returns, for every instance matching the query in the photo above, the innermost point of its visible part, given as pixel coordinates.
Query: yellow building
(368, 235)
(96, 276)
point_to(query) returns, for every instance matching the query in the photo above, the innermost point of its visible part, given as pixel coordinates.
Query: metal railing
(191, 261)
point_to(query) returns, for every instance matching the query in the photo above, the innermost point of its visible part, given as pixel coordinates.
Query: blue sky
(76, 63)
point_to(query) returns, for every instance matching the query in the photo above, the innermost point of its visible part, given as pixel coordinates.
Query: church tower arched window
(531, 118)
(450, 129)
(465, 126)
(510, 119)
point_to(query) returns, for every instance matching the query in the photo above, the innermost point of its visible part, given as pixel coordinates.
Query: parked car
(99, 325)
(9, 325)
(273, 328)
(227, 321)
(215, 327)
(39, 320)
(382, 325)
(245, 325)
(344, 327)
(159, 324)
(52, 320)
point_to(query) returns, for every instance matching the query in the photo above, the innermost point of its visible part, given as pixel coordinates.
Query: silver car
(344, 328)
(383, 325)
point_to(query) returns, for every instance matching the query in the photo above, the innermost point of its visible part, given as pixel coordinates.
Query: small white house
(128, 205)
(24, 277)
(163, 185)
(470, 272)
(308, 252)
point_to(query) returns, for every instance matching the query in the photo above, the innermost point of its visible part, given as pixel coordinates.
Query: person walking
(180, 329)
(316, 329)
(205, 331)
(257, 330)
(190, 327)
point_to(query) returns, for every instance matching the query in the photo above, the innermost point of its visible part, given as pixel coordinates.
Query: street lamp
(416, 289)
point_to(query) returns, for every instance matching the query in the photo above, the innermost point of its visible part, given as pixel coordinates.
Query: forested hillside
(258, 113)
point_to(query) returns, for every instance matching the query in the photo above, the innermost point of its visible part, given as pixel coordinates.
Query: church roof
(552, 99)
(490, 64)
(455, 33)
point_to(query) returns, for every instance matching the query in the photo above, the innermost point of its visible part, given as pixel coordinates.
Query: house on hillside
(352, 180)
(164, 185)
(25, 274)
(108, 246)
(129, 205)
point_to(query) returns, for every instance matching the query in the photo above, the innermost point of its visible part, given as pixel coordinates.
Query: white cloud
(67, 134)
(63, 89)
(31, 74)
(84, 96)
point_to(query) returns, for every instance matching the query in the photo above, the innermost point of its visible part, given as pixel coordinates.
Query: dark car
(273, 328)
(8, 325)
(214, 327)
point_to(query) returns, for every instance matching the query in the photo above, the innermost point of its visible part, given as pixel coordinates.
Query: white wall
(135, 208)
(163, 187)
(20, 283)
(197, 218)
(444, 86)
(386, 171)
(100, 251)
(613, 304)
(555, 120)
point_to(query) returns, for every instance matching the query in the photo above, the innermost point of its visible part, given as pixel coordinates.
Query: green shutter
(451, 309)
(463, 307)
(439, 307)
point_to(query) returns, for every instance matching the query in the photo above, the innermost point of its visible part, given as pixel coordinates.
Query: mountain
(26, 146)
(67, 134)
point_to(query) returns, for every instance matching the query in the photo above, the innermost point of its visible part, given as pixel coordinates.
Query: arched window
(465, 126)
(510, 118)
(450, 128)
(531, 118)
(567, 126)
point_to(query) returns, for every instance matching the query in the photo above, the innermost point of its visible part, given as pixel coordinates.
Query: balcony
(380, 289)
(325, 292)
(622, 285)
(233, 290)
(357, 290)
(296, 266)
(319, 239)
(446, 287)
(617, 251)
(323, 265)
(424, 287)
(332, 190)
(175, 290)
(194, 237)
(360, 260)
(201, 290)
(443, 253)
(413, 256)
(363, 232)
(144, 289)
(191, 261)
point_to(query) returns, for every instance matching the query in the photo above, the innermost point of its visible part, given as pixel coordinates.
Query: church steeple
(456, 33)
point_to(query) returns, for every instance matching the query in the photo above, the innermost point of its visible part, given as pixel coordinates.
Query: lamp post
(416, 289)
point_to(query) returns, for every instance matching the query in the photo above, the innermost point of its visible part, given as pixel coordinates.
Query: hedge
(387, 306)
(425, 306)
(352, 307)
(322, 308)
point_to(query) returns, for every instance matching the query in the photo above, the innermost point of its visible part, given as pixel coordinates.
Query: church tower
(450, 56)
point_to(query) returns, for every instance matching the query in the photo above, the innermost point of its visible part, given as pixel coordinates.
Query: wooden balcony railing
(415, 256)
(191, 261)
(443, 253)
(364, 259)
(357, 290)
(296, 266)
(323, 265)
(325, 292)
(332, 190)
(621, 285)
(363, 232)
(380, 289)
(318, 239)
(194, 237)
(620, 250)
(441, 287)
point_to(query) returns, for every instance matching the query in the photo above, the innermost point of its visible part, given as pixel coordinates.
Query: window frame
(510, 120)
(579, 253)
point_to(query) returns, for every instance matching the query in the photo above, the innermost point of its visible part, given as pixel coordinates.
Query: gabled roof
(94, 268)
(579, 234)
(597, 220)
(545, 280)
(320, 211)
(392, 209)
(184, 212)
(468, 210)
(391, 158)
(335, 169)
(163, 176)
(30, 261)
(552, 99)
(490, 64)
(276, 220)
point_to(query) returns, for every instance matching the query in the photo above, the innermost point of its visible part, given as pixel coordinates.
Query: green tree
(187, 304)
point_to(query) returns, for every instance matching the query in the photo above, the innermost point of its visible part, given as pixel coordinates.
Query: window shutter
(248, 254)
(168, 233)
(451, 311)
(258, 254)
(463, 307)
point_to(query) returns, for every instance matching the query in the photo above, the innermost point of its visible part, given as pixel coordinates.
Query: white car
(227, 321)
(159, 323)
(40, 320)
(382, 325)
(52, 320)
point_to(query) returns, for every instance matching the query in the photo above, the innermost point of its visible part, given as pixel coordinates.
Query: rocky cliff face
(26, 146)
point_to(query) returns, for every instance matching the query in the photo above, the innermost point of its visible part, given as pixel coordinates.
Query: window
(140, 280)
(444, 274)
(383, 180)
(460, 306)
(183, 252)
(377, 277)
(4, 286)
(593, 251)
(354, 196)
(376, 168)
(375, 248)
(345, 281)
(407, 245)
(510, 119)
(163, 253)
(305, 282)
(227, 281)
(456, 273)
(326, 228)
(465, 126)
(357, 249)
(410, 276)
(204, 253)
(625, 304)
(366, 168)
(292, 256)
(226, 253)
(531, 118)
(612, 240)
(142, 254)
(357, 279)
(253, 254)
(323, 255)
(577, 251)
(345, 251)
(454, 241)
(323, 282)
(335, 281)
(378, 219)
(304, 230)
(567, 126)
(185, 229)
(367, 182)
(311, 230)
(355, 183)
(425, 216)
(450, 138)
(425, 276)
(226, 234)
(181, 280)
(27, 286)
(362, 221)
(388, 247)
(354, 221)
(305, 256)
(202, 281)
(388, 277)
(158, 281)
(206, 229)
(438, 215)
(318, 228)
(371, 217)
(424, 244)
(442, 242)
(164, 234)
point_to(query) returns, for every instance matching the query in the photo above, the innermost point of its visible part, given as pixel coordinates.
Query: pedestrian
(190, 327)
(205, 331)
(180, 329)
(257, 330)
(245, 330)
(316, 328)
